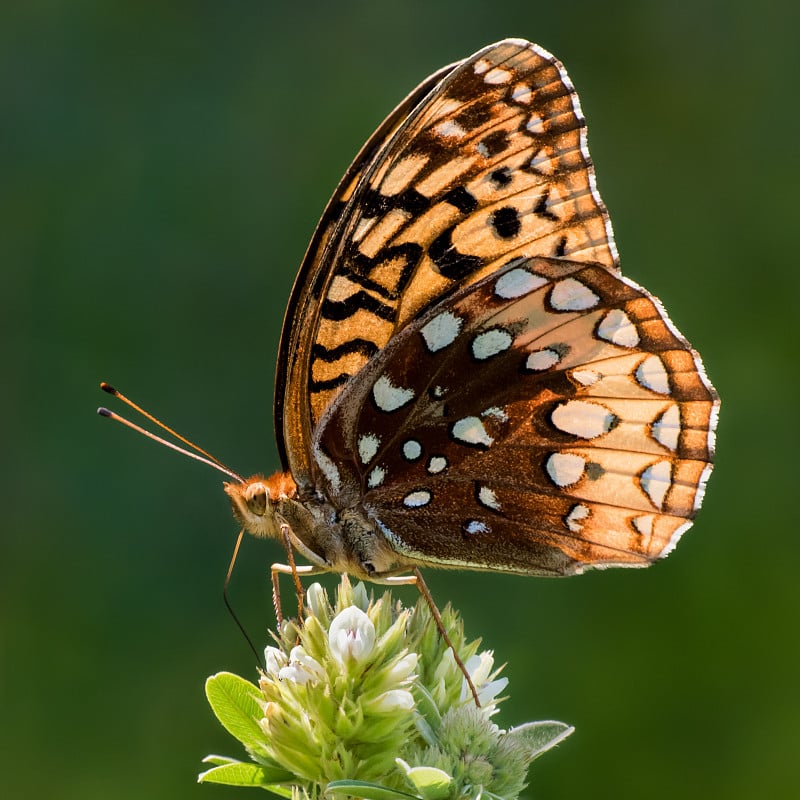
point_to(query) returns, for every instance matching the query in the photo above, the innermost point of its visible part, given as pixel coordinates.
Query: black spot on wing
(461, 199)
(451, 263)
(329, 354)
(541, 209)
(338, 310)
(501, 177)
(505, 222)
(493, 144)
(330, 383)
(375, 204)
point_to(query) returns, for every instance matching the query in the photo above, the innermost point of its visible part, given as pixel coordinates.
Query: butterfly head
(255, 500)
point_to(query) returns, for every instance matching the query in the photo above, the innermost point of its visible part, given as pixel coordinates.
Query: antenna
(204, 457)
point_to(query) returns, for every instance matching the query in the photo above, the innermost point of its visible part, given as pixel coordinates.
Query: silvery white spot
(572, 295)
(586, 377)
(376, 477)
(583, 419)
(470, 430)
(496, 412)
(481, 65)
(389, 397)
(491, 343)
(543, 162)
(497, 75)
(476, 526)
(441, 331)
(367, 447)
(329, 469)
(437, 392)
(540, 360)
(521, 94)
(667, 428)
(643, 525)
(412, 449)
(565, 469)
(417, 499)
(652, 375)
(517, 283)
(656, 480)
(616, 327)
(482, 149)
(576, 517)
(449, 129)
(436, 464)
(535, 124)
(488, 498)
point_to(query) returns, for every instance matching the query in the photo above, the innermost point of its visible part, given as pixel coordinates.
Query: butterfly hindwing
(544, 419)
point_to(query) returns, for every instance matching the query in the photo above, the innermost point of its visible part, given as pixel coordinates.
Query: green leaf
(242, 774)
(235, 704)
(541, 736)
(432, 783)
(281, 791)
(220, 760)
(369, 791)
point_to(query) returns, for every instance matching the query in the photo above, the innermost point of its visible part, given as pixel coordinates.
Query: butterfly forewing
(292, 429)
(490, 164)
(544, 419)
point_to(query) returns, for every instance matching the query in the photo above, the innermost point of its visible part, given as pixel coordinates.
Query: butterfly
(465, 378)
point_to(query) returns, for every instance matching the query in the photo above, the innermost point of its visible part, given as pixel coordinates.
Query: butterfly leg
(292, 569)
(417, 580)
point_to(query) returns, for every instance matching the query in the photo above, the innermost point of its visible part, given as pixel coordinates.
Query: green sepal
(428, 719)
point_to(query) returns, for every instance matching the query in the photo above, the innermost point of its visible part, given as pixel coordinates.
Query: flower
(480, 672)
(367, 694)
(301, 668)
(351, 636)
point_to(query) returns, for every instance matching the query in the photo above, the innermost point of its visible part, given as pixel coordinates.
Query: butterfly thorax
(337, 540)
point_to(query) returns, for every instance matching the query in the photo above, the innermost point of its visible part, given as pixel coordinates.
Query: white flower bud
(301, 668)
(403, 668)
(351, 636)
(393, 700)
(317, 601)
(274, 659)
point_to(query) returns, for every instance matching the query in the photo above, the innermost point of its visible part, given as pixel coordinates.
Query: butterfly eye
(257, 499)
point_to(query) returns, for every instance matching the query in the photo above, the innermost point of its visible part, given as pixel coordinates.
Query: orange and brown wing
(486, 164)
(543, 420)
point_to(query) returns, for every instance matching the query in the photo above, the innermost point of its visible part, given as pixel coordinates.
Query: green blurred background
(163, 166)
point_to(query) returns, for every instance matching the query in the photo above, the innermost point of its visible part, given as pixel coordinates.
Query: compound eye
(257, 499)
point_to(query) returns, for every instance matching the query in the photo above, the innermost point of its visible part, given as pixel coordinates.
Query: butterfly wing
(485, 162)
(545, 419)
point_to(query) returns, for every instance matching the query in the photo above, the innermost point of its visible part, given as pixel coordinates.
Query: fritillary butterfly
(465, 378)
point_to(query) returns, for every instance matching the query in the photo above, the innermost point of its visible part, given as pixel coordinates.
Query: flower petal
(351, 636)
(393, 700)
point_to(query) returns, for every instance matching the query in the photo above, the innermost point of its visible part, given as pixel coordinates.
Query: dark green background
(163, 167)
